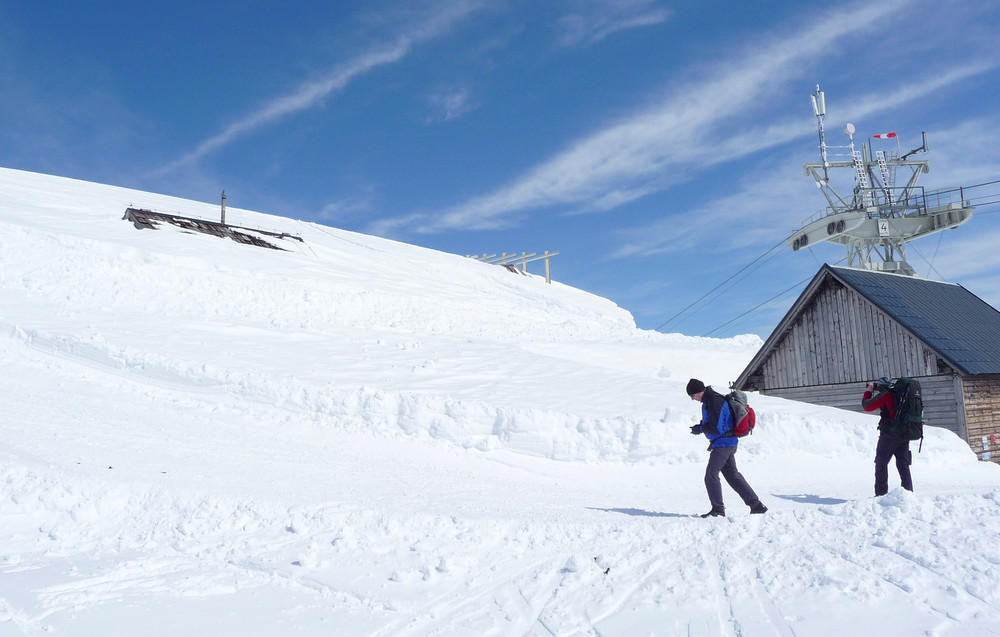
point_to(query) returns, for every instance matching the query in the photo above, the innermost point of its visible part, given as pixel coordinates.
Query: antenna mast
(879, 218)
(819, 107)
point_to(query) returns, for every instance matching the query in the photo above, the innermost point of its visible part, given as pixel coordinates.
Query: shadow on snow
(642, 513)
(804, 498)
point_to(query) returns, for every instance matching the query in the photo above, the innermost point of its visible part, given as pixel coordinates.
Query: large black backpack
(908, 405)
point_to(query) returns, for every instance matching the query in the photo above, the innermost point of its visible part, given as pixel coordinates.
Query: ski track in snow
(366, 438)
(497, 578)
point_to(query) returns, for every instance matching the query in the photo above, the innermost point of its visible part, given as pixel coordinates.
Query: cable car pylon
(878, 218)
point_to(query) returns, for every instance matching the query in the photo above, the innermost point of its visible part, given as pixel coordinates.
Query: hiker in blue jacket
(716, 423)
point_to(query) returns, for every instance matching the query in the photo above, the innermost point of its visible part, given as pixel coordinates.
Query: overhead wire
(936, 248)
(758, 306)
(975, 204)
(707, 294)
(736, 278)
(961, 188)
(930, 263)
(719, 289)
(762, 304)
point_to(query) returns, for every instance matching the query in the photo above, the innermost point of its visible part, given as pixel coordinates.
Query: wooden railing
(518, 262)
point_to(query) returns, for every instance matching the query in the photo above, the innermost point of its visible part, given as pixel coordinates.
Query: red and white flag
(884, 136)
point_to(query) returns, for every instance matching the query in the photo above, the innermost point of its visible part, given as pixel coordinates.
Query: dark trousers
(723, 459)
(884, 452)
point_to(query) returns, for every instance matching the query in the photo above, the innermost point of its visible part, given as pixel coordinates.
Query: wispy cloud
(593, 20)
(451, 103)
(311, 93)
(968, 256)
(650, 151)
(750, 208)
(773, 197)
(347, 207)
(965, 155)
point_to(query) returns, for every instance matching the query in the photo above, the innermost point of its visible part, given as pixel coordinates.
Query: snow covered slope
(354, 436)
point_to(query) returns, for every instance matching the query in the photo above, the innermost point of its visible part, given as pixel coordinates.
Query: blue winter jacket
(716, 414)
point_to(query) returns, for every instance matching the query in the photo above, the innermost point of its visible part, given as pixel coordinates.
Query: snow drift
(355, 436)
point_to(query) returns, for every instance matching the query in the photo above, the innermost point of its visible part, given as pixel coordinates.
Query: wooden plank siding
(833, 340)
(982, 414)
(841, 337)
(941, 401)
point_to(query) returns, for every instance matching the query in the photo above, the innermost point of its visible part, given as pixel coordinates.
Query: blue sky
(658, 146)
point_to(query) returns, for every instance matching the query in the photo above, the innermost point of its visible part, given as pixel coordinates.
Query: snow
(355, 436)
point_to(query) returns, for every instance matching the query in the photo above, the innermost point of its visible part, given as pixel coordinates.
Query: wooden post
(223, 207)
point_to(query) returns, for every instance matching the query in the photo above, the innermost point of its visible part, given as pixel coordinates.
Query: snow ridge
(363, 437)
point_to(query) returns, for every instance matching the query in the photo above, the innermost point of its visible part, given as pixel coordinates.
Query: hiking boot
(758, 508)
(714, 513)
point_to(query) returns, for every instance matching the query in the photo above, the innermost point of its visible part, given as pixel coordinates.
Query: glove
(696, 430)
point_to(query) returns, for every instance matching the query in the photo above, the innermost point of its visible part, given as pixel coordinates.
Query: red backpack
(744, 417)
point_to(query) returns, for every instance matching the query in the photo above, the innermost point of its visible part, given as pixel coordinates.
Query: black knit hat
(695, 386)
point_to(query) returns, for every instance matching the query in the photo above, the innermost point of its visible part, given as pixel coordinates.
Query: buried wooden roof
(958, 326)
(250, 236)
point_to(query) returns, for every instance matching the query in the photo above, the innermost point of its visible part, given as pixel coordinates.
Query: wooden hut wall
(942, 396)
(844, 395)
(982, 404)
(840, 337)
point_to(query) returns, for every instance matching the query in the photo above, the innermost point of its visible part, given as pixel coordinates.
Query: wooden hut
(851, 326)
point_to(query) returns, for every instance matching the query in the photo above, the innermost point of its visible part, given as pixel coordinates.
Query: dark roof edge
(839, 268)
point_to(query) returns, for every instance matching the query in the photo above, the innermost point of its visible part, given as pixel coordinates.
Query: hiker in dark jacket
(717, 424)
(878, 396)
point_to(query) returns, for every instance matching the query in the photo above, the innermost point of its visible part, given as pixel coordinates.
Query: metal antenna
(819, 107)
(879, 218)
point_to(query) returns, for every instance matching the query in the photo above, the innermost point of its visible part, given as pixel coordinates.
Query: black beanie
(695, 386)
